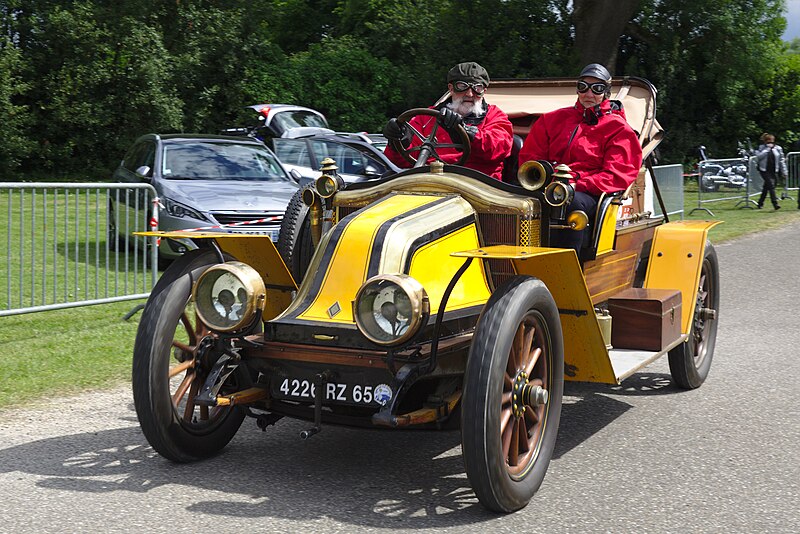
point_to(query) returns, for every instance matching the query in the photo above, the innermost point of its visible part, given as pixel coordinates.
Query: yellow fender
(586, 357)
(676, 259)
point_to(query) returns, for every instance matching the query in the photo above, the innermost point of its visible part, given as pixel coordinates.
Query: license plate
(273, 234)
(300, 389)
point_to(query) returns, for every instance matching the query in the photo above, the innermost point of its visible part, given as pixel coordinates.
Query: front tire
(690, 362)
(168, 370)
(508, 439)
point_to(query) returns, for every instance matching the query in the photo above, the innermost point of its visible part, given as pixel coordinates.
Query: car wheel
(116, 243)
(294, 240)
(690, 362)
(513, 388)
(171, 363)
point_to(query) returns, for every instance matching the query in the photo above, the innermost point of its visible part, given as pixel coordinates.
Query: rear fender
(676, 260)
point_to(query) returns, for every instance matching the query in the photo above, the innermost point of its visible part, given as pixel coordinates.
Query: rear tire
(507, 443)
(690, 362)
(294, 240)
(167, 371)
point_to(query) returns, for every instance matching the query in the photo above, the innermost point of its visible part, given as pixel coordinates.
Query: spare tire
(294, 241)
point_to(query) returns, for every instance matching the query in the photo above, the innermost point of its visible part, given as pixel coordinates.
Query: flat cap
(468, 72)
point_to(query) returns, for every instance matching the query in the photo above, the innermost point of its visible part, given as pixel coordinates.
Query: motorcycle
(715, 173)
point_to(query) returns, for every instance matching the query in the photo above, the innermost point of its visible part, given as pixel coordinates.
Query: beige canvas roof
(524, 100)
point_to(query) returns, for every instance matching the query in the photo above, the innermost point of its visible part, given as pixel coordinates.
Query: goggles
(597, 88)
(462, 87)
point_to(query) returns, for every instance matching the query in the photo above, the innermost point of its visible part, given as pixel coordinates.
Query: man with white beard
(487, 127)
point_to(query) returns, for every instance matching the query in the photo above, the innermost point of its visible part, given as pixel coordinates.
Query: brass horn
(535, 174)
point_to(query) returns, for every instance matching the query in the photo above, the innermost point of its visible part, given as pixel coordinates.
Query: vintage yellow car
(429, 299)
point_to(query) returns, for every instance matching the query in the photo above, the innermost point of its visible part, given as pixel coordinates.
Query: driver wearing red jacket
(488, 127)
(594, 139)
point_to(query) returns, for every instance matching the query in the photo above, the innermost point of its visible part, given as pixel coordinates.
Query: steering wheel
(429, 144)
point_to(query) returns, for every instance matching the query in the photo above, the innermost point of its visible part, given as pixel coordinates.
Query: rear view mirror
(296, 176)
(143, 171)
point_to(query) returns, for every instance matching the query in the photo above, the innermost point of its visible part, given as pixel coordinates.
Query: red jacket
(605, 156)
(491, 145)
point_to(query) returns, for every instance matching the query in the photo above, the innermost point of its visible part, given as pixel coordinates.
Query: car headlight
(558, 194)
(327, 185)
(176, 209)
(227, 296)
(390, 308)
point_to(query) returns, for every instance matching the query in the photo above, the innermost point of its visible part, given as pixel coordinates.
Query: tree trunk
(598, 26)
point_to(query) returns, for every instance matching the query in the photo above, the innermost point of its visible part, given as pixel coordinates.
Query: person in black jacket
(770, 163)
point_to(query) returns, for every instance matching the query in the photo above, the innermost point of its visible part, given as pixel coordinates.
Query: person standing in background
(770, 163)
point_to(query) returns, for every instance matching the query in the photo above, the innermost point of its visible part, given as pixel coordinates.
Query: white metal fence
(64, 247)
(723, 179)
(790, 187)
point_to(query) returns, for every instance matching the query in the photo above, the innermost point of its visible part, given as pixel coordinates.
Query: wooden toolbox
(645, 319)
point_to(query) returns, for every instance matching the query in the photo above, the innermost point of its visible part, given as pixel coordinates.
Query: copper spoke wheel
(512, 394)
(186, 372)
(172, 359)
(524, 385)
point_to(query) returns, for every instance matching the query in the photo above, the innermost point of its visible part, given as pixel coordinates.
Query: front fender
(586, 357)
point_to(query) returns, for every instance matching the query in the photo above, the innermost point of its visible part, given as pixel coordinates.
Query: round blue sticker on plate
(383, 394)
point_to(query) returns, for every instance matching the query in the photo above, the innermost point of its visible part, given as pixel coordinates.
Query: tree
(14, 143)
(598, 27)
(326, 74)
(710, 60)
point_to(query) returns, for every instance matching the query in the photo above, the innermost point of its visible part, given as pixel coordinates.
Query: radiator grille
(269, 222)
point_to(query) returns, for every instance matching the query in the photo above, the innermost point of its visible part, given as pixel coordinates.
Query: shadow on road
(405, 479)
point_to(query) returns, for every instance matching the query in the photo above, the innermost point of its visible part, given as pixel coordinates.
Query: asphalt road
(643, 457)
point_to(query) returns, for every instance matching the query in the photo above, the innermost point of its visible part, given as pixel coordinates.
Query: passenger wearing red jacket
(488, 127)
(595, 140)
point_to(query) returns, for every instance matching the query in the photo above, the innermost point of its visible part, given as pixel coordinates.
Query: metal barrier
(727, 179)
(670, 184)
(793, 177)
(65, 247)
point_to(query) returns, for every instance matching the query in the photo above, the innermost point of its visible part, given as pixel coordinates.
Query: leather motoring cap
(468, 72)
(595, 70)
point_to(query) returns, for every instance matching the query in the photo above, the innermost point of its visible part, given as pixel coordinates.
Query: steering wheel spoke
(429, 144)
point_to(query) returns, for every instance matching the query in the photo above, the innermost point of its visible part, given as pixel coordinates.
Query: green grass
(737, 219)
(52, 353)
(54, 251)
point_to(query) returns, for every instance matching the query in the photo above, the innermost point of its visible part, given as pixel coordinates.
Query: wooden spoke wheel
(690, 362)
(512, 394)
(172, 358)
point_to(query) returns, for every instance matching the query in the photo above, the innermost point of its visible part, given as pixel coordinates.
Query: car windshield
(220, 161)
(295, 119)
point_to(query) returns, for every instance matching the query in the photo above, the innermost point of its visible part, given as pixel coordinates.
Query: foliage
(709, 101)
(324, 75)
(80, 79)
(14, 144)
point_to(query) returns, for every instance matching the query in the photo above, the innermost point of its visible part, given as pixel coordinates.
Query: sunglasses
(597, 88)
(462, 87)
